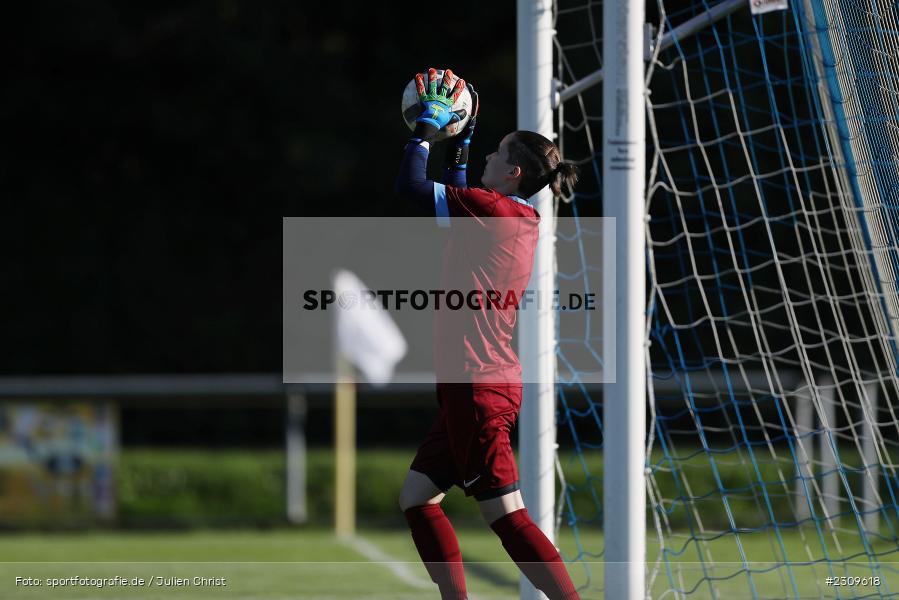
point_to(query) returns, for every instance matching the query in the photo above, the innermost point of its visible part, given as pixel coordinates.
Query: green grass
(313, 564)
(197, 489)
(307, 564)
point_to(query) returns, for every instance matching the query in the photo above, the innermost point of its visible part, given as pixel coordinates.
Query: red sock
(535, 555)
(439, 549)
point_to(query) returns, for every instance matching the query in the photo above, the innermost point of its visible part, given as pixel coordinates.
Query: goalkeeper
(492, 236)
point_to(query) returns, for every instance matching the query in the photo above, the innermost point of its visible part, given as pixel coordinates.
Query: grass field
(197, 489)
(255, 564)
(313, 564)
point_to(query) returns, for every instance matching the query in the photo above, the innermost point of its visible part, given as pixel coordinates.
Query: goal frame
(625, 397)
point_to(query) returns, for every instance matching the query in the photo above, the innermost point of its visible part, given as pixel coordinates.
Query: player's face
(498, 173)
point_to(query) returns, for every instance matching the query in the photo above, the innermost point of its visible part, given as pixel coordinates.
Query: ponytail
(541, 164)
(565, 173)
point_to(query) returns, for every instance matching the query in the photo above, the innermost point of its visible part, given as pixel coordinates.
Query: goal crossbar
(681, 32)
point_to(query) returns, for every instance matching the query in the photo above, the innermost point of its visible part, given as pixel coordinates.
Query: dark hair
(540, 164)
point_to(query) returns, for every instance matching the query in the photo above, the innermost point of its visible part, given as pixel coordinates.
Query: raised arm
(412, 182)
(454, 173)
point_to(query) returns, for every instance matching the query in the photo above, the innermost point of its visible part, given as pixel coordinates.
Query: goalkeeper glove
(436, 105)
(457, 152)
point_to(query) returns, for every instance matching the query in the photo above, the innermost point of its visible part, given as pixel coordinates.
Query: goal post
(768, 336)
(624, 398)
(624, 411)
(537, 341)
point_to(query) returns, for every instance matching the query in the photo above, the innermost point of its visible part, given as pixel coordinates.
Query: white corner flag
(366, 335)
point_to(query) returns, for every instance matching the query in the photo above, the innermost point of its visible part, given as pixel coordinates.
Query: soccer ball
(411, 108)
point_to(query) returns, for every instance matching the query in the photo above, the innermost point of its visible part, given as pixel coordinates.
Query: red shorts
(468, 445)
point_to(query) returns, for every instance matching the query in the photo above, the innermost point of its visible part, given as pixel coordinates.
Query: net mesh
(771, 253)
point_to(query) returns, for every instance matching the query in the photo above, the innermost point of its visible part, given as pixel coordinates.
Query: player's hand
(437, 99)
(464, 136)
(457, 150)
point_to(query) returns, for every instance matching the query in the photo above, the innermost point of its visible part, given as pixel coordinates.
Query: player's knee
(407, 501)
(494, 508)
(417, 490)
(408, 498)
(490, 512)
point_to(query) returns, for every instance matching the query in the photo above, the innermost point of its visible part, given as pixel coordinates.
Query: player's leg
(426, 483)
(491, 476)
(528, 546)
(417, 490)
(494, 508)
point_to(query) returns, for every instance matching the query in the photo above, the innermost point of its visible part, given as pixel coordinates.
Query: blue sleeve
(455, 177)
(413, 184)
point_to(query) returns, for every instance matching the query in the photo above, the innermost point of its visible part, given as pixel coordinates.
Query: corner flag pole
(536, 341)
(624, 402)
(344, 448)
(370, 341)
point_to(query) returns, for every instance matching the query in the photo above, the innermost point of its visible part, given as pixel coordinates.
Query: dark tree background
(150, 150)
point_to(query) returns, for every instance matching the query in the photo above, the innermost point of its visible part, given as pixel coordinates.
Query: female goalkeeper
(490, 251)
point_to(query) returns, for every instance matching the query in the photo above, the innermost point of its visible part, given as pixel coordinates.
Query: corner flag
(366, 335)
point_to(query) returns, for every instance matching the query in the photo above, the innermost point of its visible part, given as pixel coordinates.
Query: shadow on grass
(485, 570)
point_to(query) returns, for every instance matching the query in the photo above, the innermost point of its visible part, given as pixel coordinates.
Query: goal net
(772, 299)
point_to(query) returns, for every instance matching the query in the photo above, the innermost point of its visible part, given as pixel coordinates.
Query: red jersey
(489, 254)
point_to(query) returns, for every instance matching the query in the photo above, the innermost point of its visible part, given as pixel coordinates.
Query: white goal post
(624, 172)
(536, 333)
(624, 399)
(625, 405)
(771, 257)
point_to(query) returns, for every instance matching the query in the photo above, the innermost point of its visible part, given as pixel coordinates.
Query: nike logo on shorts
(468, 483)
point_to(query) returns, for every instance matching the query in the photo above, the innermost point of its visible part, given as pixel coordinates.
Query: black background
(150, 151)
